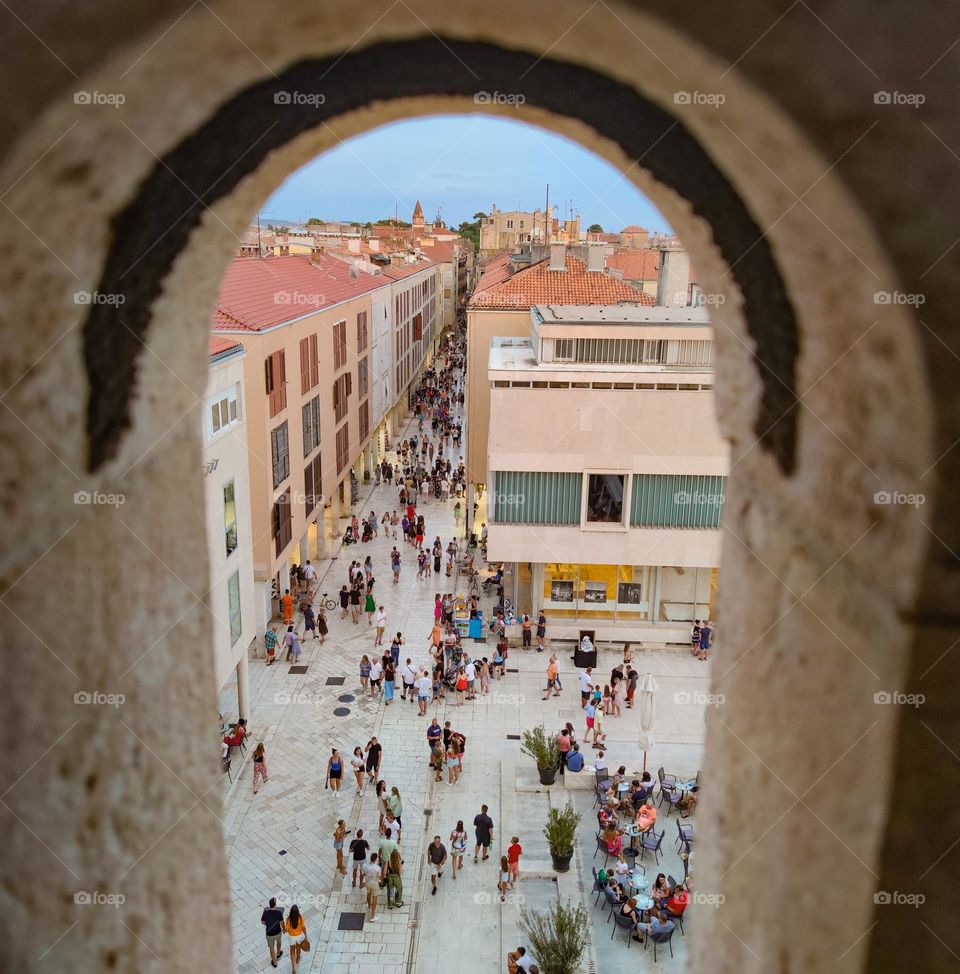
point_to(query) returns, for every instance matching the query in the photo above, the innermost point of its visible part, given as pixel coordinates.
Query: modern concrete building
(607, 469)
(500, 306)
(230, 534)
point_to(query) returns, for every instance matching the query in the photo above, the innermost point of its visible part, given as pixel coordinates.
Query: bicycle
(328, 603)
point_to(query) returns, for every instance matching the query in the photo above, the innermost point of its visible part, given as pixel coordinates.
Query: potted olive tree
(544, 749)
(557, 936)
(561, 831)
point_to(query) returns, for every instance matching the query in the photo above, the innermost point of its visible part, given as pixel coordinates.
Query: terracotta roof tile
(538, 285)
(259, 293)
(219, 345)
(637, 265)
(634, 228)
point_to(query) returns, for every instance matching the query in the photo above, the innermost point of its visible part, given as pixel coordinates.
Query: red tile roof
(637, 265)
(398, 273)
(634, 228)
(495, 270)
(259, 293)
(219, 345)
(538, 285)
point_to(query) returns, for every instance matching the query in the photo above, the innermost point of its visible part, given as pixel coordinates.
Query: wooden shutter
(314, 362)
(304, 365)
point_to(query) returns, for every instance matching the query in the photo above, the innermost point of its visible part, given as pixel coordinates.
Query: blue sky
(462, 164)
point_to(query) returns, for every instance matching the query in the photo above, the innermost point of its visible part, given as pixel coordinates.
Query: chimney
(673, 281)
(596, 257)
(558, 257)
(353, 245)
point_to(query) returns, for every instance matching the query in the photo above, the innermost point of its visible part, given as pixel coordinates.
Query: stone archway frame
(852, 356)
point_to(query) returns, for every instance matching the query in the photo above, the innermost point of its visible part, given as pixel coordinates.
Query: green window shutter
(677, 501)
(536, 497)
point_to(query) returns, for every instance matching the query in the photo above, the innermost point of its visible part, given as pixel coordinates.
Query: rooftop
(619, 314)
(221, 347)
(539, 285)
(258, 293)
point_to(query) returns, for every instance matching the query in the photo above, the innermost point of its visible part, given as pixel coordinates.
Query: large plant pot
(561, 863)
(547, 775)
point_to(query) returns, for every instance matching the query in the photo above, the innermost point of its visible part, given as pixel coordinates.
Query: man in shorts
(437, 857)
(371, 873)
(376, 676)
(483, 825)
(586, 686)
(358, 849)
(424, 692)
(374, 754)
(272, 919)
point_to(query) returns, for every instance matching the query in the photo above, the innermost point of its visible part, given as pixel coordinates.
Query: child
(623, 867)
(504, 883)
(513, 859)
(259, 767)
(600, 763)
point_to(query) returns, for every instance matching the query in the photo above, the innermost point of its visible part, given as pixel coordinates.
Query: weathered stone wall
(826, 599)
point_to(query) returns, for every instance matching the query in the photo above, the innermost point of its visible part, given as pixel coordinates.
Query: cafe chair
(671, 795)
(597, 888)
(650, 840)
(623, 923)
(660, 938)
(602, 847)
(685, 835)
(669, 778)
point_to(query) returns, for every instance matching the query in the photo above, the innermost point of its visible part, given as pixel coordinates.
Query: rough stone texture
(876, 584)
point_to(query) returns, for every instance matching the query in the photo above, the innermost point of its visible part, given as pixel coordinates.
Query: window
(311, 425)
(509, 224)
(521, 224)
(563, 349)
(362, 331)
(343, 447)
(233, 602)
(339, 345)
(417, 327)
(230, 517)
(342, 388)
(312, 484)
(677, 500)
(364, 419)
(605, 498)
(224, 410)
(309, 364)
(362, 380)
(282, 523)
(535, 497)
(275, 368)
(280, 454)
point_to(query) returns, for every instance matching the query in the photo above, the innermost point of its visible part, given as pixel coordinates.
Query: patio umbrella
(647, 688)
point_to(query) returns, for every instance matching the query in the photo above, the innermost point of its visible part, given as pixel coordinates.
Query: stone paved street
(280, 841)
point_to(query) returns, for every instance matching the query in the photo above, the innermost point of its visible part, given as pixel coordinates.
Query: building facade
(509, 230)
(230, 535)
(607, 469)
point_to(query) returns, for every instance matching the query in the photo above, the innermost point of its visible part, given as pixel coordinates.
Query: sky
(459, 164)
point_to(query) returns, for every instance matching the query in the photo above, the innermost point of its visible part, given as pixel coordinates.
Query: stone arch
(799, 510)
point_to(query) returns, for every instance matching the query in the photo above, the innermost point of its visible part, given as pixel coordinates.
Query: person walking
(370, 607)
(525, 631)
(408, 675)
(381, 625)
(297, 933)
(395, 564)
(552, 668)
(292, 642)
(334, 770)
(272, 919)
(483, 828)
(382, 795)
(339, 834)
(371, 873)
(358, 850)
(503, 883)
(374, 754)
(513, 860)
(344, 601)
(389, 677)
(355, 594)
(394, 881)
(541, 630)
(357, 763)
(286, 603)
(270, 644)
(309, 621)
(376, 675)
(424, 692)
(437, 858)
(259, 767)
(458, 846)
(395, 645)
(364, 673)
(396, 807)
(322, 628)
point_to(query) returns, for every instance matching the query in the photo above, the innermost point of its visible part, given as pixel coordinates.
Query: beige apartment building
(314, 427)
(509, 230)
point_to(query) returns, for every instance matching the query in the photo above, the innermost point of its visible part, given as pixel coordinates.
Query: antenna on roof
(259, 245)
